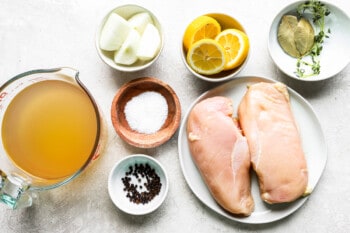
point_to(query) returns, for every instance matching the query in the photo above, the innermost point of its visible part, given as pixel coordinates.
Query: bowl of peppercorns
(138, 184)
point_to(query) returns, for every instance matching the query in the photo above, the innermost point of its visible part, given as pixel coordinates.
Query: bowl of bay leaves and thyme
(308, 40)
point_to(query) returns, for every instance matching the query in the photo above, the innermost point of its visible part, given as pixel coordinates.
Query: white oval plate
(313, 143)
(335, 55)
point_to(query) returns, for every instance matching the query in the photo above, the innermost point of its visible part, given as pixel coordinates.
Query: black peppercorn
(151, 182)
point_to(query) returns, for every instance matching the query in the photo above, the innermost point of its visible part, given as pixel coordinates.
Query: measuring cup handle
(13, 191)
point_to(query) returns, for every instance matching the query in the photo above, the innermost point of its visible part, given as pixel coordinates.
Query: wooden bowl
(135, 88)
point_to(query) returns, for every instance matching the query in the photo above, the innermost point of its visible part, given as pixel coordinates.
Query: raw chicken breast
(274, 142)
(221, 154)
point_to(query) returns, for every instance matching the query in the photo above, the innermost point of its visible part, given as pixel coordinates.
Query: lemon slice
(200, 28)
(206, 56)
(236, 45)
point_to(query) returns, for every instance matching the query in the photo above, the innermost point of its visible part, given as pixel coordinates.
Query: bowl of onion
(129, 38)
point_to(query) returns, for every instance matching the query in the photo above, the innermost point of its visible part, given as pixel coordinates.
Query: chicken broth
(49, 129)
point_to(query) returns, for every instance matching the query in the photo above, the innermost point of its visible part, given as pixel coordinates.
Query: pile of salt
(146, 113)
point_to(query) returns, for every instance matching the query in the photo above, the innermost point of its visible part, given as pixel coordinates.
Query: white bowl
(335, 55)
(116, 185)
(226, 22)
(126, 11)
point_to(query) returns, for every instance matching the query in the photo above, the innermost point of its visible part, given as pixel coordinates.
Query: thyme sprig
(319, 11)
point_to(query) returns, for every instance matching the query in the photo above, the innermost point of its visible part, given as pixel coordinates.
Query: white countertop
(54, 33)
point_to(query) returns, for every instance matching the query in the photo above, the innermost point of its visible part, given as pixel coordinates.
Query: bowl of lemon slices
(215, 47)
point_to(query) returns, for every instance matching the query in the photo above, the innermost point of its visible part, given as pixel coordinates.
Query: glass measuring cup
(51, 130)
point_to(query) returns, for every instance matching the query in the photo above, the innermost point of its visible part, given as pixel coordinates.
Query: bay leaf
(285, 35)
(304, 36)
(296, 37)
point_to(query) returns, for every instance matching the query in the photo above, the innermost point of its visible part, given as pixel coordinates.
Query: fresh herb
(319, 11)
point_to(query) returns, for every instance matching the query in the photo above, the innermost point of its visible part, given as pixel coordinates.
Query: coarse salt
(146, 113)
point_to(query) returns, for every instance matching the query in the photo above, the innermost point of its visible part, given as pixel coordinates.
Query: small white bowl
(126, 11)
(225, 22)
(116, 185)
(335, 55)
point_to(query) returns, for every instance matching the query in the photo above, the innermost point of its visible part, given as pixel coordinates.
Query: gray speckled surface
(54, 33)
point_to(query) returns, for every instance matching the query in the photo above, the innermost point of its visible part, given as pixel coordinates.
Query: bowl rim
(158, 138)
(130, 68)
(231, 73)
(131, 158)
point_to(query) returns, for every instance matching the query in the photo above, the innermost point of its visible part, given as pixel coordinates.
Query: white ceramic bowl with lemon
(129, 38)
(215, 47)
